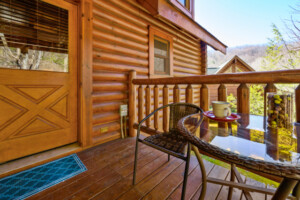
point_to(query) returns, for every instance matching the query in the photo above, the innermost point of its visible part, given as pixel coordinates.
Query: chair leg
(168, 157)
(135, 161)
(186, 172)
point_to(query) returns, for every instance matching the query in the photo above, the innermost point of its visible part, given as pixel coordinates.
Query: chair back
(178, 111)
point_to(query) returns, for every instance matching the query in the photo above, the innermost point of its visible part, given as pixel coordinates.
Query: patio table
(248, 144)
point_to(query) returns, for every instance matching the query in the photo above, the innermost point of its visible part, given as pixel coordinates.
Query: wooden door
(38, 109)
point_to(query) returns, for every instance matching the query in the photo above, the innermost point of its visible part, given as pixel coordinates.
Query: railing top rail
(281, 76)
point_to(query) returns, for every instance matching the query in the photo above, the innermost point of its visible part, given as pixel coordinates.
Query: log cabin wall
(120, 44)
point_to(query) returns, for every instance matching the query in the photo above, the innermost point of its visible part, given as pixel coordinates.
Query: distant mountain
(251, 54)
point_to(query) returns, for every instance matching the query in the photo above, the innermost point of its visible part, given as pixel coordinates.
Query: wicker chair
(172, 142)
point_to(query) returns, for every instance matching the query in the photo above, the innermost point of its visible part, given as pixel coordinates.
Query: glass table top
(248, 137)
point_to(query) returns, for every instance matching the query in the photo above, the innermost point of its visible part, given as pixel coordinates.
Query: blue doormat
(37, 179)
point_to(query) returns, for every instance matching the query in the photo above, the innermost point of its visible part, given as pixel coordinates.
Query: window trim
(156, 33)
(188, 10)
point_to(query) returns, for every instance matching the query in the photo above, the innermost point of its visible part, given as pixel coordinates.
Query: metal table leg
(284, 189)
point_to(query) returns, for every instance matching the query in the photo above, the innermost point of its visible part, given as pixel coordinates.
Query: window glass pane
(183, 2)
(160, 48)
(33, 36)
(159, 64)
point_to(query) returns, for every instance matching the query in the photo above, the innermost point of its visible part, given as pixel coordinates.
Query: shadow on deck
(109, 176)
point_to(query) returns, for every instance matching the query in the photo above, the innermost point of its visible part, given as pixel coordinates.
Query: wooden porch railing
(243, 92)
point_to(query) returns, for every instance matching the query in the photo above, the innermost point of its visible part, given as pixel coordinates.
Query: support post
(131, 103)
(156, 97)
(204, 97)
(176, 94)
(141, 103)
(148, 105)
(189, 94)
(243, 99)
(165, 111)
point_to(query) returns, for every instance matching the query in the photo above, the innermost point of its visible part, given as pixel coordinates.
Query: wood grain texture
(165, 110)
(281, 76)
(204, 97)
(222, 93)
(189, 98)
(243, 99)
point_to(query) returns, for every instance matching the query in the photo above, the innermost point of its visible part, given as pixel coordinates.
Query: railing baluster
(131, 103)
(222, 96)
(141, 102)
(165, 111)
(222, 93)
(297, 97)
(156, 97)
(176, 94)
(270, 87)
(204, 97)
(243, 94)
(189, 94)
(148, 105)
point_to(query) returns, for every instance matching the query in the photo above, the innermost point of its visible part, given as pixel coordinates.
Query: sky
(243, 22)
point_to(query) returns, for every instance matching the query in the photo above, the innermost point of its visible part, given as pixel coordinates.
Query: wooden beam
(280, 76)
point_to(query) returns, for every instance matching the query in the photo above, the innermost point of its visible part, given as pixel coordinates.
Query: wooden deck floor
(109, 176)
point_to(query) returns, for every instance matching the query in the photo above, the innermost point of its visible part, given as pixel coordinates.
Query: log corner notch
(168, 11)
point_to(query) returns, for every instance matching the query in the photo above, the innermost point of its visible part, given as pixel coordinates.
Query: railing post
(141, 103)
(131, 103)
(297, 98)
(243, 94)
(222, 93)
(204, 97)
(165, 111)
(270, 87)
(176, 94)
(189, 94)
(156, 97)
(222, 96)
(148, 105)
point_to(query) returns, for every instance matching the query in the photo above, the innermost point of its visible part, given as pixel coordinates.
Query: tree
(280, 54)
(256, 100)
(22, 58)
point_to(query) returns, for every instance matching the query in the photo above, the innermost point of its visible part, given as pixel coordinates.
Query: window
(160, 54)
(33, 36)
(184, 3)
(185, 6)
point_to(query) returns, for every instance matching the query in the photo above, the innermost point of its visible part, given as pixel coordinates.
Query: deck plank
(165, 188)
(194, 183)
(110, 169)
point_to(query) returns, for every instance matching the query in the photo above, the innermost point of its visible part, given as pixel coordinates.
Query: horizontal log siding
(120, 44)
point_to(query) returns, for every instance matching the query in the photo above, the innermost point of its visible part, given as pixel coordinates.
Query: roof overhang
(166, 10)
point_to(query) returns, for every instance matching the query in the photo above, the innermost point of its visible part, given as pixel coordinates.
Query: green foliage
(280, 54)
(233, 103)
(256, 100)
